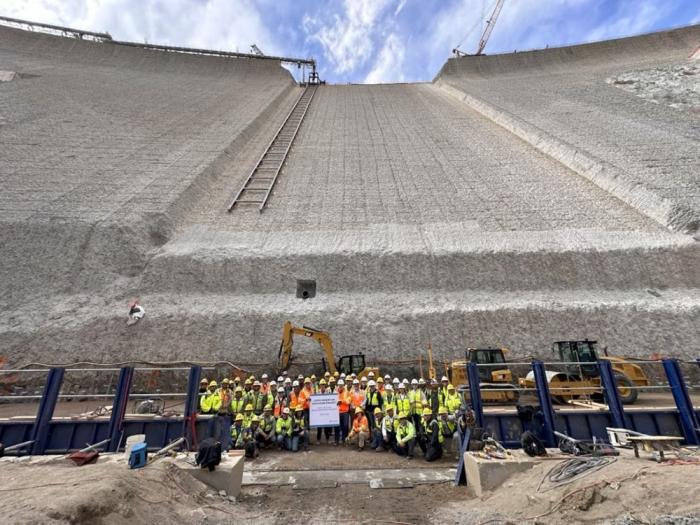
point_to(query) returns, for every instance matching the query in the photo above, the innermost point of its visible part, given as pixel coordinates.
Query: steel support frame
(121, 401)
(49, 398)
(612, 396)
(545, 401)
(475, 393)
(686, 413)
(191, 406)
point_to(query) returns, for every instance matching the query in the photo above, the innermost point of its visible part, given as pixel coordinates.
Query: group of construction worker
(380, 413)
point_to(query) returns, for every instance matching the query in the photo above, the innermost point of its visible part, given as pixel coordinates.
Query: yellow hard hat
(331, 380)
(327, 374)
(442, 411)
(213, 383)
(248, 382)
(380, 379)
(299, 408)
(307, 380)
(389, 407)
(377, 410)
(236, 379)
(450, 387)
(313, 376)
(336, 374)
(358, 410)
(256, 419)
(204, 380)
(238, 389)
(248, 407)
(239, 417)
(403, 415)
(252, 377)
(268, 407)
(322, 382)
(225, 381)
(427, 412)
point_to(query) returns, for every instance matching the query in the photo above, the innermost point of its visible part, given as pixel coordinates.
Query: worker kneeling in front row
(360, 429)
(405, 437)
(432, 437)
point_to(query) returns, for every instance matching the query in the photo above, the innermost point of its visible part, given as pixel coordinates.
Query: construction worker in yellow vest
(452, 401)
(389, 397)
(283, 429)
(402, 402)
(405, 436)
(442, 390)
(259, 399)
(448, 428)
(210, 402)
(237, 403)
(432, 439)
(247, 415)
(237, 432)
(266, 437)
(417, 400)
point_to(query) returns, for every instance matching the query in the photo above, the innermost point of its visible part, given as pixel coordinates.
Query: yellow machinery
(581, 377)
(347, 364)
(495, 378)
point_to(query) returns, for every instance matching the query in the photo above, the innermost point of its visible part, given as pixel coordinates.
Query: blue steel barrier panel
(475, 393)
(545, 403)
(191, 406)
(612, 397)
(121, 400)
(461, 476)
(49, 398)
(686, 414)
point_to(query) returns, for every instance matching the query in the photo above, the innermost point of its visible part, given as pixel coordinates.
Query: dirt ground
(52, 490)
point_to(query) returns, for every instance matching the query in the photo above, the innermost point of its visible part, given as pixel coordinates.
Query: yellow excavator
(580, 375)
(347, 364)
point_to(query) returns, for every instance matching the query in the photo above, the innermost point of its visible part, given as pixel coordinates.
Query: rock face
(518, 200)
(677, 86)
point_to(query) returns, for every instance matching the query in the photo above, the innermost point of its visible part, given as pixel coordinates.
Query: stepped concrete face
(442, 212)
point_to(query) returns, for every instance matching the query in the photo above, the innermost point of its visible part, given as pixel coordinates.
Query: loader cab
(576, 352)
(493, 358)
(350, 364)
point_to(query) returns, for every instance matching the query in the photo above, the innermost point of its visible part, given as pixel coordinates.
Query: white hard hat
(340, 382)
(414, 381)
(387, 376)
(421, 381)
(363, 378)
(371, 374)
(404, 381)
(389, 388)
(287, 380)
(280, 390)
(395, 381)
(280, 379)
(444, 378)
(295, 383)
(355, 382)
(372, 383)
(264, 376)
(272, 383)
(401, 385)
(342, 375)
(256, 383)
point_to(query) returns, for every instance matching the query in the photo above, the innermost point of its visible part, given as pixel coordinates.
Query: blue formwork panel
(506, 428)
(71, 435)
(159, 432)
(13, 432)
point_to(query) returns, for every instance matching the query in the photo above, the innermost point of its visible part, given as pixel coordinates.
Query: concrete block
(228, 475)
(487, 474)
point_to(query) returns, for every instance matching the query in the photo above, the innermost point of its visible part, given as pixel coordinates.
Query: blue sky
(361, 40)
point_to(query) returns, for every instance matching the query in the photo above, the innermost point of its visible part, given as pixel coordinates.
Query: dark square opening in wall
(306, 288)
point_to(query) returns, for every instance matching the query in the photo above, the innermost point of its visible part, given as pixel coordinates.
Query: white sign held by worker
(323, 410)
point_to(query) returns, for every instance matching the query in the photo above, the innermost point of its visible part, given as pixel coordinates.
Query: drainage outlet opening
(306, 289)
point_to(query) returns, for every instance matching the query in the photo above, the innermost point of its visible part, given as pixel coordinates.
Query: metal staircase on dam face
(258, 186)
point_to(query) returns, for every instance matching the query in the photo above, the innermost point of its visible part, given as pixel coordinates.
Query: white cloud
(347, 39)
(215, 24)
(390, 63)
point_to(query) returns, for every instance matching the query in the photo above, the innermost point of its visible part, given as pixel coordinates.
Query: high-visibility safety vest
(405, 433)
(433, 426)
(447, 428)
(259, 402)
(284, 426)
(237, 405)
(359, 424)
(305, 397)
(357, 398)
(293, 399)
(373, 399)
(390, 401)
(416, 401)
(247, 418)
(378, 423)
(452, 403)
(210, 403)
(268, 424)
(344, 401)
(280, 404)
(403, 403)
(236, 433)
(298, 424)
(389, 423)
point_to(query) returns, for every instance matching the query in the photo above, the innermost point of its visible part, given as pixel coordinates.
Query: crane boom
(490, 23)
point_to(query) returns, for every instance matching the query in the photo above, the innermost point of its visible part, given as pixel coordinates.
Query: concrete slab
(484, 475)
(228, 475)
(413, 476)
(390, 484)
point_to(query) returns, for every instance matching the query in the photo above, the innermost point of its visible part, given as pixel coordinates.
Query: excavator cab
(492, 358)
(349, 364)
(575, 353)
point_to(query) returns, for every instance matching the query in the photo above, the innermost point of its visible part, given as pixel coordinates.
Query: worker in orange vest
(281, 401)
(360, 429)
(305, 397)
(357, 395)
(344, 411)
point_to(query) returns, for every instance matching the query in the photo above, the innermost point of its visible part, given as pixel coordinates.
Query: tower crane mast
(490, 23)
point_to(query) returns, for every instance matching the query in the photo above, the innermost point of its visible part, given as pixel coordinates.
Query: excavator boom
(285, 352)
